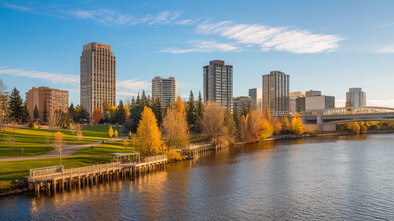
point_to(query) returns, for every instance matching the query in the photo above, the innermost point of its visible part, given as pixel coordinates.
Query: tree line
(212, 122)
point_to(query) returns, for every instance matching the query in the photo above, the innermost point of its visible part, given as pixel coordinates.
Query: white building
(165, 89)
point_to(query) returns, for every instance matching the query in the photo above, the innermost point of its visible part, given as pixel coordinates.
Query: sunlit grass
(34, 141)
(86, 157)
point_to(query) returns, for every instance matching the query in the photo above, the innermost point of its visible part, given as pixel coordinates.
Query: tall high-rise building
(48, 99)
(356, 98)
(165, 89)
(256, 94)
(98, 76)
(218, 83)
(276, 93)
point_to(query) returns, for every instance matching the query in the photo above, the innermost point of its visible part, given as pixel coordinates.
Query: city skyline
(188, 40)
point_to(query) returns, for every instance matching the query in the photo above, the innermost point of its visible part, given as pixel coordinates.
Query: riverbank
(100, 155)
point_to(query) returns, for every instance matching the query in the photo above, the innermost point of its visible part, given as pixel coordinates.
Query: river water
(341, 178)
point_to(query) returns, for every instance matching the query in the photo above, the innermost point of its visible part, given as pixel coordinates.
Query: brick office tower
(218, 83)
(98, 76)
(276, 93)
(48, 99)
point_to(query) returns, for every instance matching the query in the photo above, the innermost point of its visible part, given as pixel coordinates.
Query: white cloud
(386, 49)
(203, 46)
(54, 77)
(132, 87)
(16, 7)
(112, 17)
(272, 38)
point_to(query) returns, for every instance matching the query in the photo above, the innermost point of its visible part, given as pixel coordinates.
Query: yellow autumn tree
(110, 132)
(277, 125)
(285, 125)
(116, 133)
(149, 134)
(174, 126)
(296, 125)
(354, 127)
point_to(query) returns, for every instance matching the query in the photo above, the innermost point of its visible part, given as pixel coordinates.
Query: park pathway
(68, 150)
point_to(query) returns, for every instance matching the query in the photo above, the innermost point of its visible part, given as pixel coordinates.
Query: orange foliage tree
(96, 115)
(149, 134)
(174, 126)
(256, 127)
(59, 144)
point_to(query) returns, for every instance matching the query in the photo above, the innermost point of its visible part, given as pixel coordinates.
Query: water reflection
(331, 178)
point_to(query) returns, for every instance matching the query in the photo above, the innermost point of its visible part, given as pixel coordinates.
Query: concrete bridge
(326, 119)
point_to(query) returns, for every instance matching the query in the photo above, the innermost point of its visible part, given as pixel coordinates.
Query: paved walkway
(67, 151)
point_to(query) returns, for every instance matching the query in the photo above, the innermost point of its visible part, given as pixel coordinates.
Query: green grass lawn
(86, 157)
(34, 141)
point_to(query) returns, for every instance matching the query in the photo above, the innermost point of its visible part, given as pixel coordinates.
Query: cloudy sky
(324, 45)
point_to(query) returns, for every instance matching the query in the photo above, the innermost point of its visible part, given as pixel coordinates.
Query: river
(339, 178)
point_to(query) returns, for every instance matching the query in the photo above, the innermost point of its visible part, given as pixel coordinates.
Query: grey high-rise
(218, 83)
(276, 93)
(356, 98)
(98, 76)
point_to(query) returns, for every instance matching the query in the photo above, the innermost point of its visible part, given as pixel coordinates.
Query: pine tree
(71, 112)
(45, 114)
(157, 109)
(191, 111)
(16, 109)
(120, 113)
(25, 114)
(200, 107)
(36, 114)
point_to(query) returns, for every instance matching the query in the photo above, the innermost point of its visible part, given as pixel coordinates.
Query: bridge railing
(347, 111)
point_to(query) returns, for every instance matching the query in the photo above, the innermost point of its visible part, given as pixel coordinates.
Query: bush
(174, 156)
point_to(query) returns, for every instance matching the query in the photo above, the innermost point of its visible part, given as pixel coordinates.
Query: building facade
(48, 99)
(240, 103)
(98, 76)
(165, 89)
(256, 95)
(319, 102)
(312, 93)
(276, 93)
(300, 104)
(356, 98)
(293, 96)
(218, 83)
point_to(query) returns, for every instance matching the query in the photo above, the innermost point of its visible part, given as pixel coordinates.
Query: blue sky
(324, 45)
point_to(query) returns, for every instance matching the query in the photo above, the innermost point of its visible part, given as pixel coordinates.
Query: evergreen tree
(84, 114)
(71, 112)
(16, 109)
(120, 116)
(36, 114)
(25, 114)
(157, 109)
(191, 111)
(45, 114)
(200, 107)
